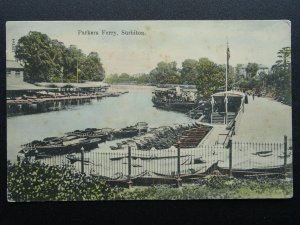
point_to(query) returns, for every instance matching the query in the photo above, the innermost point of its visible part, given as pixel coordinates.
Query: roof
(229, 94)
(75, 85)
(24, 86)
(13, 64)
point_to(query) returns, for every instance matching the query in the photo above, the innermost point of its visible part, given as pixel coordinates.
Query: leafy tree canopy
(47, 60)
(251, 69)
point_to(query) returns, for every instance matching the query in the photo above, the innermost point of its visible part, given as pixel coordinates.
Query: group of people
(249, 93)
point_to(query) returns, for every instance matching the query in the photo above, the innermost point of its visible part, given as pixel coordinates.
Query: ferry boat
(176, 98)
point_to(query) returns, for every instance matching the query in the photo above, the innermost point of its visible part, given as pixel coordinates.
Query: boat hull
(67, 149)
(176, 106)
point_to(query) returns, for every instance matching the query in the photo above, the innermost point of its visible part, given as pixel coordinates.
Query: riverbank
(30, 100)
(41, 185)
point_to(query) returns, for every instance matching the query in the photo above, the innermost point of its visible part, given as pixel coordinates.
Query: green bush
(38, 182)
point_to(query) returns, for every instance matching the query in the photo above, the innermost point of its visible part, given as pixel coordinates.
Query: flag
(228, 56)
(228, 53)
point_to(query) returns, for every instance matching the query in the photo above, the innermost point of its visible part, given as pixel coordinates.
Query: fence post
(230, 157)
(285, 155)
(178, 164)
(129, 182)
(82, 159)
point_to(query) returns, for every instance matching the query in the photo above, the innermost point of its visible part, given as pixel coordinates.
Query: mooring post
(285, 155)
(178, 164)
(82, 159)
(230, 157)
(129, 167)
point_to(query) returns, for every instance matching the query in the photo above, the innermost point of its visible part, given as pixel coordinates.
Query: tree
(112, 78)
(210, 77)
(251, 70)
(91, 68)
(189, 71)
(57, 54)
(280, 77)
(143, 79)
(263, 77)
(73, 60)
(47, 60)
(284, 56)
(239, 76)
(165, 73)
(35, 52)
(124, 78)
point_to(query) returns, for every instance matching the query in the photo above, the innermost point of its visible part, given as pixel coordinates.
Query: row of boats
(166, 136)
(78, 140)
(138, 136)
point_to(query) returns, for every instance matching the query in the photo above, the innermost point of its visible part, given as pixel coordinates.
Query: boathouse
(218, 105)
(14, 72)
(15, 85)
(87, 87)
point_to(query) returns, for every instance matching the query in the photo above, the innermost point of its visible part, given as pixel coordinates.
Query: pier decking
(58, 98)
(263, 120)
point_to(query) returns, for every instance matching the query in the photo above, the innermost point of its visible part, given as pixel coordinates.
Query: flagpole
(77, 69)
(226, 80)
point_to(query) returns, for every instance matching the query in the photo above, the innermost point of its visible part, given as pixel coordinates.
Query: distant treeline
(207, 75)
(49, 60)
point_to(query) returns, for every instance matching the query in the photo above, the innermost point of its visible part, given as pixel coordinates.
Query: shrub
(39, 182)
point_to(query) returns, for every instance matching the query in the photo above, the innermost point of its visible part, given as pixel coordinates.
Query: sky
(249, 41)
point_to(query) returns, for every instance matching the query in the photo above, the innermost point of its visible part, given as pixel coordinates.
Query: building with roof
(218, 106)
(14, 72)
(242, 70)
(15, 85)
(76, 87)
(262, 68)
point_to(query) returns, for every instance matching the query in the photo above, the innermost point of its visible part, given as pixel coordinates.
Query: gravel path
(264, 120)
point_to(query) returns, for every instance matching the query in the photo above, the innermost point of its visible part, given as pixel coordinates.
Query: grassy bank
(215, 188)
(36, 182)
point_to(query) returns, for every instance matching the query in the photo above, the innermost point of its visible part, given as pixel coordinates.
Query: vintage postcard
(148, 110)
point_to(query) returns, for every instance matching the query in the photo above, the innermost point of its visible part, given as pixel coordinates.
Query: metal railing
(238, 159)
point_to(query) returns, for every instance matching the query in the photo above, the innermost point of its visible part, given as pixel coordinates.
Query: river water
(113, 112)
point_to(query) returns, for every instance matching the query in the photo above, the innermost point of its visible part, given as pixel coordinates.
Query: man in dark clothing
(246, 98)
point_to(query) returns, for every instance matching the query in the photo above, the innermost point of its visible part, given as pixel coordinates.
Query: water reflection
(33, 108)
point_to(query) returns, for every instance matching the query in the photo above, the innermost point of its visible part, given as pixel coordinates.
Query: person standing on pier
(246, 97)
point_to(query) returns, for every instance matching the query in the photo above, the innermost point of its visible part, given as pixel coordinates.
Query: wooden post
(285, 155)
(212, 110)
(230, 157)
(129, 167)
(82, 159)
(178, 164)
